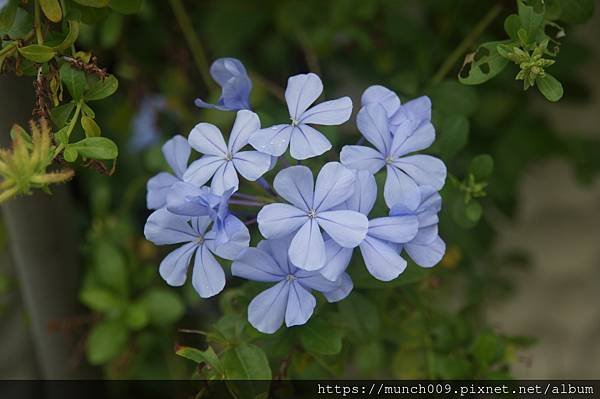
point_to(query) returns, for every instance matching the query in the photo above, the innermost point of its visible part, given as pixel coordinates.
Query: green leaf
(69, 154)
(61, 114)
(164, 307)
(319, 337)
(106, 340)
(360, 317)
(100, 300)
(90, 127)
(7, 15)
(451, 97)
(483, 65)
(51, 9)
(550, 87)
(96, 148)
(71, 36)
(481, 167)
(37, 53)
(531, 21)
(74, 80)
(487, 348)
(21, 25)
(246, 362)
(208, 356)
(136, 316)
(473, 211)
(93, 3)
(102, 88)
(512, 24)
(110, 266)
(126, 6)
(452, 135)
(577, 11)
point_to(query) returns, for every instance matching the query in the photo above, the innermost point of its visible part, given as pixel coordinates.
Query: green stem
(193, 42)
(37, 23)
(70, 128)
(467, 42)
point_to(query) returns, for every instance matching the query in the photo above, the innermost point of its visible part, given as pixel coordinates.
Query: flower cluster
(310, 226)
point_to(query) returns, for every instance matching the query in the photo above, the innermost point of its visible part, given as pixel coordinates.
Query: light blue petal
(200, 224)
(300, 305)
(399, 187)
(231, 75)
(347, 228)
(431, 201)
(362, 158)
(295, 184)
(189, 200)
(398, 229)
(334, 112)
(315, 281)
(257, 265)
(164, 227)
(301, 92)
(223, 69)
(279, 220)
(405, 142)
(208, 277)
(177, 153)
(252, 164)
(158, 188)
(427, 255)
(338, 259)
(201, 170)
(245, 125)
(173, 268)
(236, 239)
(266, 311)
(342, 291)
(365, 193)
(426, 235)
(377, 94)
(278, 249)
(382, 259)
(307, 142)
(414, 112)
(334, 185)
(273, 140)
(225, 178)
(207, 139)
(372, 122)
(424, 170)
(307, 249)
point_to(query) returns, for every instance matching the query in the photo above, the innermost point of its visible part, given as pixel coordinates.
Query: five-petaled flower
(290, 299)
(312, 209)
(176, 152)
(208, 277)
(223, 161)
(304, 141)
(231, 75)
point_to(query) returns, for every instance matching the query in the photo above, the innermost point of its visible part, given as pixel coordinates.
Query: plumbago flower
(290, 299)
(394, 138)
(231, 75)
(309, 240)
(304, 141)
(144, 124)
(312, 209)
(222, 162)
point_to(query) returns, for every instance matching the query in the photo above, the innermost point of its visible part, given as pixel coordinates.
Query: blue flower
(144, 123)
(404, 172)
(290, 299)
(222, 162)
(380, 245)
(426, 248)
(176, 152)
(208, 277)
(312, 209)
(3, 3)
(304, 141)
(231, 75)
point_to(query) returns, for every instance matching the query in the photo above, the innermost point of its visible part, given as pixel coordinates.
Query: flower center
(200, 239)
(290, 277)
(312, 213)
(295, 122)
(389, 160)
(228, 156)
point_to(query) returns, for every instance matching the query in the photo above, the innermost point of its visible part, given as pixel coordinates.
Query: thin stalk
(467, 42)
(37, 24)
(246, 203)
(70, 128)
(193, 42)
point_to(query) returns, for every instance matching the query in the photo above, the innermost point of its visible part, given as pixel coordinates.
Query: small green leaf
(90, 127)
(70, 154)
(71, 36)
(246, 362)
(100, 300)
(208, 356)
(37, 53)
(164, 307)
(532, 22)
(110, 266)
(102, 88)
(577, 11)
(96, 148)
(61, 114)
(512, 24)
(452, 132)
(93, 3)
(126, 6)
(7, 15)
(473, 211)
(451, 97)
(51, 9)
(550, 87)
(136, 316)
(360, 316)
(74, 80)
(483, 65)
(106, 340)
(319, 337)
(481, 167)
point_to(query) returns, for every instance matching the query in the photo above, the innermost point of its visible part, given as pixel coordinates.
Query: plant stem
(193, 42)
(70, 128)
(467, 42)
(37, 22)
(246, 203)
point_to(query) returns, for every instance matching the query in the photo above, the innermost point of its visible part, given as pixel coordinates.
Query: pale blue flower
(3, 3)
(145, 123)
(231, 75)
(222, 162)
(404, 172)
(426, 248)
(208, 277)
(176, 152)
(312, 209)
(290, 299)
(304, 141)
